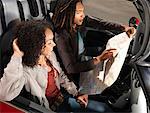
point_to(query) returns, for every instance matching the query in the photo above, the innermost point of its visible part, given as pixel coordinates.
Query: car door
(140, 61)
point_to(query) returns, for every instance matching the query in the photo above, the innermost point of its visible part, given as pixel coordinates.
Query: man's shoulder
(62, 33)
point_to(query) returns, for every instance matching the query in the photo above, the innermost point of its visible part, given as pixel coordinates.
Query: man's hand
(83, 100)
(129, 30)
(107, 54)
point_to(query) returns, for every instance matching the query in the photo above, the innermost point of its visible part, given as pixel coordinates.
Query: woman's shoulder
(34, 70)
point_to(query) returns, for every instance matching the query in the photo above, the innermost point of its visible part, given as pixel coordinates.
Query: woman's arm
(12, 81)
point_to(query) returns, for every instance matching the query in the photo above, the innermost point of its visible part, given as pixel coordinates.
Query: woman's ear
(43, 49)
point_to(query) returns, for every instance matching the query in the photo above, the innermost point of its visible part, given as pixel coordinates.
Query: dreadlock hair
(31, 39)
(64, 13)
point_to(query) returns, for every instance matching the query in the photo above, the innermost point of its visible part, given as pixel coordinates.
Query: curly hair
(64, 13)
(31, 39)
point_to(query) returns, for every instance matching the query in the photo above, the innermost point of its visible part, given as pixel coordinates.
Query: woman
(70, 24)
(34, 66)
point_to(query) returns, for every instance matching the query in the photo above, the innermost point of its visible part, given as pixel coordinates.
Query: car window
(119, 11)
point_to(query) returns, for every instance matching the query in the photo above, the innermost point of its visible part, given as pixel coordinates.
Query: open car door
(140, 61)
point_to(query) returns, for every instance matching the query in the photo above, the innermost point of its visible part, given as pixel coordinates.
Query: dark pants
(64, 107)
(70, 105)
(93, 106)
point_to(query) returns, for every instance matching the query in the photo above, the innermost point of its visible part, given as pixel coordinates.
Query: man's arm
(101, 24)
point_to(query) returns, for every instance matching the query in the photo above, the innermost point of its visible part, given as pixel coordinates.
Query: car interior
(129, 93)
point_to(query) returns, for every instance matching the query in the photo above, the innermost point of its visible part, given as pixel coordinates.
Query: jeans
(93, 106)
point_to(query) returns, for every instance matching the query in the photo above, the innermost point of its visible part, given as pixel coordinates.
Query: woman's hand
(107, 54)
(16, 49)
(83, 100)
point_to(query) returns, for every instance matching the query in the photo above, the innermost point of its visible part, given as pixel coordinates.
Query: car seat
(7, 15)
(23, 10)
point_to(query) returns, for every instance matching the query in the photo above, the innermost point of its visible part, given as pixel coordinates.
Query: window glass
(119, 11)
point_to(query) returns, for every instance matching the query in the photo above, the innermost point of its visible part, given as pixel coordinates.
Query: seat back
(23, 10)
(6, 44)
(10, 14)
(6, 16)
(32, 9)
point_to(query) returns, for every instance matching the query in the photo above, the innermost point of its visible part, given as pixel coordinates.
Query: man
(70, 24)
